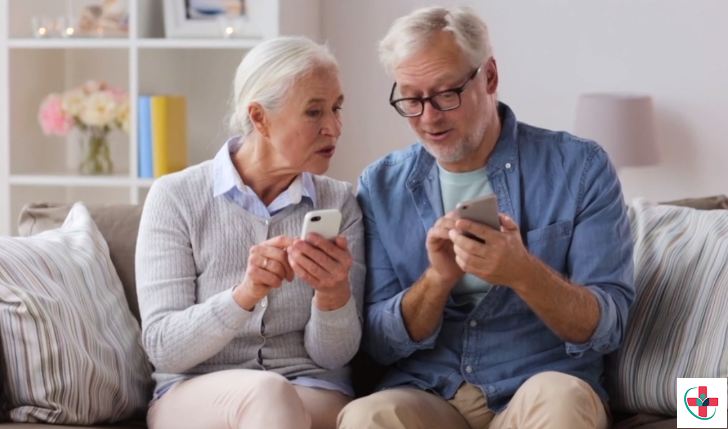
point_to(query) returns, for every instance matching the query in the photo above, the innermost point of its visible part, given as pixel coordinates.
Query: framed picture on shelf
(230, 19)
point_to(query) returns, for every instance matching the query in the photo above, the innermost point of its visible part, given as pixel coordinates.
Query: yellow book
(169, 134)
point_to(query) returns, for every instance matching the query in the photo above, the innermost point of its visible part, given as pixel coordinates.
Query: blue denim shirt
(564, 193)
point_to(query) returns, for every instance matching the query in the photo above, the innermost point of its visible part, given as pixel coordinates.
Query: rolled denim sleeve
(385, 336)
(601, 255)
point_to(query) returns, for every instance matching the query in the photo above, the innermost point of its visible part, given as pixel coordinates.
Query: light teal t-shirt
(457, 187)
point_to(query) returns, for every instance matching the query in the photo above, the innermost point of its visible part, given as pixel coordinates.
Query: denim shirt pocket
(551, 243)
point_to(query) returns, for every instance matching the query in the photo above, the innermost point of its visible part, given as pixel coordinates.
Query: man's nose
(429, 113)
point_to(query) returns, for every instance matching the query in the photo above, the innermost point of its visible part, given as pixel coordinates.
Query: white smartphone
(482, 210)
(323, 222)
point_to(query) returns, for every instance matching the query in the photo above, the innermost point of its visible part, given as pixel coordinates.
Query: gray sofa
(119, 226)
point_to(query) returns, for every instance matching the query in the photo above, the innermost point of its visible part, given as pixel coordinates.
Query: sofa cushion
(118, 223)
(678, 324)
(71, 348)
(715, 202)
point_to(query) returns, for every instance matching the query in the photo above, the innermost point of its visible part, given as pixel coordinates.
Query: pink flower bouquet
(95, 109)
(92, 105)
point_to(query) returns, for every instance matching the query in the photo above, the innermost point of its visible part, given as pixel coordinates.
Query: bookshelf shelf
(60, 180)
(197, 43)
(126, 43)
(33, 166)
(68, 43)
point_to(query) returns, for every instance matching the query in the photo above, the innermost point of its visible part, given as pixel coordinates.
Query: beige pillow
(118, 223)
(678, 324)
(71, 347)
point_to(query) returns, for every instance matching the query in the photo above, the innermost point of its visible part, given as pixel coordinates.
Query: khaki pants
(547, 400)
(247, 399)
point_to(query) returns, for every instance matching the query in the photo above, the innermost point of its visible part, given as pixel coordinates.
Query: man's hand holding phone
(441, 254)
(496, 254)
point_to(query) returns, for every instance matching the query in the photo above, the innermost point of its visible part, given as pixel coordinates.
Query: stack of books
(162, 135)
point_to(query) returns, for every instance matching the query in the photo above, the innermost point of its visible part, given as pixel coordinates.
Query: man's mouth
(438, 135)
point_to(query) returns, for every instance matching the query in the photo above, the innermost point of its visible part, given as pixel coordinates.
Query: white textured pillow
(678, 325)
(71, 346)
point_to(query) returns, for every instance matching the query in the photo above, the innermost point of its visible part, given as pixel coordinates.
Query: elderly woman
(246, 324)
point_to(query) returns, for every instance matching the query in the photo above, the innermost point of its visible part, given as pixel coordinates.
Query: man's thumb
(507, 224)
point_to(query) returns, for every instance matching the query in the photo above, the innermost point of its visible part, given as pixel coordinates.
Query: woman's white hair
(412, 33)
(268, 71)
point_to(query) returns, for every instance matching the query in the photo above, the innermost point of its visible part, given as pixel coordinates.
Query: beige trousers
(547, 400)
(247, 399)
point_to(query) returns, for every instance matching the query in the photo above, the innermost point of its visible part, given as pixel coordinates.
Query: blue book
(146, 162)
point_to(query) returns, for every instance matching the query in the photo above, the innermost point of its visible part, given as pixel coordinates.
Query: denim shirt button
(473, 323)
(469, 369)
(508, 165)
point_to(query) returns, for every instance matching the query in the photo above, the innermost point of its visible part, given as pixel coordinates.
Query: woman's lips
(327, 152)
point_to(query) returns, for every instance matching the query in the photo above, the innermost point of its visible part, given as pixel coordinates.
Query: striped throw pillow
(678, 325)
(71, 346)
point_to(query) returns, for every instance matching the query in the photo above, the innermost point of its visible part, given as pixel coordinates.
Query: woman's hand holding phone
(268, 266)
(322, 259)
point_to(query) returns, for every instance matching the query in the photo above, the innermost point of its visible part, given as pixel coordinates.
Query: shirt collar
(226, 177)
(504, 154)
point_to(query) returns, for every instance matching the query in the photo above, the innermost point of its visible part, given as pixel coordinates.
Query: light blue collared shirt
(227, 181)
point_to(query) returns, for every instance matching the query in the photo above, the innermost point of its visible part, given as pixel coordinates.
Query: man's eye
(447, 96)
(313, 113)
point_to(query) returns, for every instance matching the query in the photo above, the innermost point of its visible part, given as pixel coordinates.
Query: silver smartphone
(323, 222)
(482, 210)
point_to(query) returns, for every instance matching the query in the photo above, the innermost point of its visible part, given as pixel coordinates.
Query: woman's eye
(337, 109)
(313, 113)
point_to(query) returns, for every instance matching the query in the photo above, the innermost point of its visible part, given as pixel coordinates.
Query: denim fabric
(564, 194)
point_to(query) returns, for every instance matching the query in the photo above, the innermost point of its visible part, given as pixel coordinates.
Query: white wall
(550, 52)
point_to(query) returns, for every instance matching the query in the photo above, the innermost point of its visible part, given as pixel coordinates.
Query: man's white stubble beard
(459, 151)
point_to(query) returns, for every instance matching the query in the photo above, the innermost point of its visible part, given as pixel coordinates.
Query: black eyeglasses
(448, 99)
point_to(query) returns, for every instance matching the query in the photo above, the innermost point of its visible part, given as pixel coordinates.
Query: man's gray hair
(412, 33)
(267, 73)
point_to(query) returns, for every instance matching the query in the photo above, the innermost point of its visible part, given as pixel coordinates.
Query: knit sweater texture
(192, 249)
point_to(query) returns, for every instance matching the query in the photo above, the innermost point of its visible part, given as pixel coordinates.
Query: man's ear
(259, 118)
(491, 73)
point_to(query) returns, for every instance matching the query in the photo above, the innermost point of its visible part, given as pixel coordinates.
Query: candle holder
(43, 27)
(230, 26)
(65, 26)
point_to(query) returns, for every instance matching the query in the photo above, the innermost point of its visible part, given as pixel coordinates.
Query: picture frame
(253, 19)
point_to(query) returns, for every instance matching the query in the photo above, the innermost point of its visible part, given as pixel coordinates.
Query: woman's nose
(332, 125)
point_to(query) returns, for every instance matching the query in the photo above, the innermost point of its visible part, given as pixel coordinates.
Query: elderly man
(512, 332)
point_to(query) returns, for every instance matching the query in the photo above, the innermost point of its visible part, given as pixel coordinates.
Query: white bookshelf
(38, 168)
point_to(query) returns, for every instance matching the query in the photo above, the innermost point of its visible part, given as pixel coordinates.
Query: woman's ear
(259, 119)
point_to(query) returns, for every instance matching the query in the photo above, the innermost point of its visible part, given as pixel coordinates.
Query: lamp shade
(623, 124)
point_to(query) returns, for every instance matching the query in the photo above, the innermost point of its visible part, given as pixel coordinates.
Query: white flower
(93, 86)
(72, 102)
(123, 116)
(99, 109)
